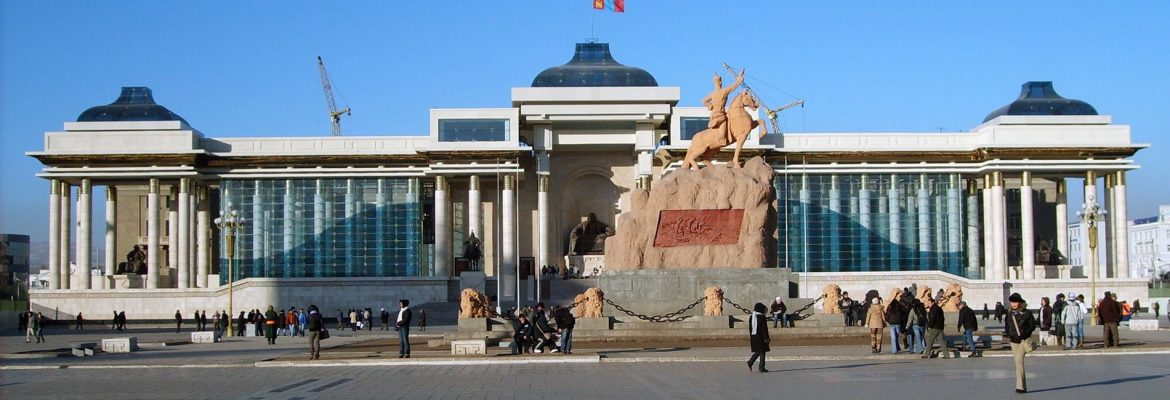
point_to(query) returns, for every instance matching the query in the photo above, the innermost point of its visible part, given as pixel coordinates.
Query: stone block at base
(594, 324)
(120, 345)
(712, 321)
(250, 330)
(474, 324)
(1143, 325)
(204, 337)
(475, 347)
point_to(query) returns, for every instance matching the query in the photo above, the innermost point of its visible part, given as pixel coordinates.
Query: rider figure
(716, 102)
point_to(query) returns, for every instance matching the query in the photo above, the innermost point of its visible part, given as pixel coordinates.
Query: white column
(380, 228)
(173, 237)
(805, 197)
(1090, 193)
(54, 234)
(203, 237)
(1062, 221)
(84, 234)
(319, 228)
(508, 241)
(475, 208)
(350, 234)
(288, 218)
(542, 216)
(257, 224)
(152, 236)
(1121, 227)
(179, 235)
(442, 229)
(66, 232)
(894, 197)
(924, 236)
(1108, 225)
(954, 224)
(999, 222)
(190, 234)
(834, 217)
(1027, 230)
(988, 237)
(974, 222)
(863, 207)
(111, 235)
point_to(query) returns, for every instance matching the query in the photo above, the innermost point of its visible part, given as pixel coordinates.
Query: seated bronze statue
(135, 262)
(588, 237)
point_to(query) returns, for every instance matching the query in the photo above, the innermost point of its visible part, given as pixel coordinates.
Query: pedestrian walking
(33, 326)
(986, 312)
(385, 316)
(916, 320)
(759, 338)
(935, 323)
(316, 326)
(1109, 311)
(999, 311)
(422, 320)
(241, 324)
(1156, 310)
(178, 321)
(403, 326)
(1057, 319)
(1019, 329)
(340, 320)
(875, 320)
(1137, 307)
(215, 322)
(968, 325)
(895, 317)
(1073, 317)
(270, 321)
(40, 328)
(122, 320)
(303, 321)
(80, 323)
(114, 322)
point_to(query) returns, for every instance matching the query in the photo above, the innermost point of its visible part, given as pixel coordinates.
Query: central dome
(134, 104)
(593, 66)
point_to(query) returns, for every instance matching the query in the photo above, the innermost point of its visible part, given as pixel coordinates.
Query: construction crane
(770, 112)
(334, 113)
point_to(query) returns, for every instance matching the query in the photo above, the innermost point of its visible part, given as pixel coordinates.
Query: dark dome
(136, 103)
(593, 66)
(1039, 98)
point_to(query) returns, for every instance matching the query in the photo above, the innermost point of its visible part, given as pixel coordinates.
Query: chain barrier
(737, 306)
(800, 313)
(671, 317)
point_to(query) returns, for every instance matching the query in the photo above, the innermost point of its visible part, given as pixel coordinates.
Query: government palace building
(347, 221)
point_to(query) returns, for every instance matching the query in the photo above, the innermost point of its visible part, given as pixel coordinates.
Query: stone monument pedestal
(589, 265)
(660, 291)
(473, 279)
(126, 281)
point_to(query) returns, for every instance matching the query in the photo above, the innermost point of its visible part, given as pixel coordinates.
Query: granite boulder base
(715, 217)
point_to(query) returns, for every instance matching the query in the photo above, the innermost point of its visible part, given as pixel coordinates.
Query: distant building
(1149, 244)
(14, 250)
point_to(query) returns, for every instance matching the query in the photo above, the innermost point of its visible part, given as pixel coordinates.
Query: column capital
(85, 188)
(184, 185)
(509, 182)
(1061, 185)
(997, 178)
(473, 184)
(440, 182)
(54, 187)
(1109, 182)
(1120, 180)
(542, 183)
(153, 186)
(1026, 178)
(111, 193)
(1090, 177)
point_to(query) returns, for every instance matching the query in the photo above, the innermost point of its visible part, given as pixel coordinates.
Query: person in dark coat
(1045, 314)
(968, 324)
(542, 333)
(422, 320)
(242, 324)
(178, 321)
(402, 323)
(760, 340)
(999, 311)
(896, 317)
(316, 324)
(522, 332)
(1109, 311)
(935, 324)
(986, 312)
(270, 320)
(565, 322)
(1058, 322)
(1018, 328)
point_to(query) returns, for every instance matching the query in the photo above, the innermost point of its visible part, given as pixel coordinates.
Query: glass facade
(691, 126)
(325, 227)
(871, 222)
(473, 130)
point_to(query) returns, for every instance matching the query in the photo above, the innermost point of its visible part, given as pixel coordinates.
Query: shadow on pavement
(1102, 383)
(841, 366)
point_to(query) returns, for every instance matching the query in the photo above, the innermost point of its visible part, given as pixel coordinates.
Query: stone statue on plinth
(135, 262)
(588, 237)
(472, 252)
(725, 126)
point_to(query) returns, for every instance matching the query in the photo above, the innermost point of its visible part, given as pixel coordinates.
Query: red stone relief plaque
(698, 227)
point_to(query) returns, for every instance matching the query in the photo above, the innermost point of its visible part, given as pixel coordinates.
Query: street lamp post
(1091, 213)
(230, 222)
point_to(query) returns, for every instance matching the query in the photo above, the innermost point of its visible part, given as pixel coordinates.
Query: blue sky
(249, 68)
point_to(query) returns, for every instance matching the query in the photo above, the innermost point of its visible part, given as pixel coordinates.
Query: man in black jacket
(968, 324)
(565, 321)
(403, 325)
(1109, 311)
(1018, 328)
(895, 316)
(316, 324)
(542, 333)
(934, 329)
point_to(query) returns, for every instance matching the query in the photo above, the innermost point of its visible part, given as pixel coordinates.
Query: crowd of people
(536, 330)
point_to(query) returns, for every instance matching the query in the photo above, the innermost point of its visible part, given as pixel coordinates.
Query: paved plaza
(366, 366)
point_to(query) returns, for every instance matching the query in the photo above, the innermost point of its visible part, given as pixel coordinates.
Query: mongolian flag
(615, 5)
